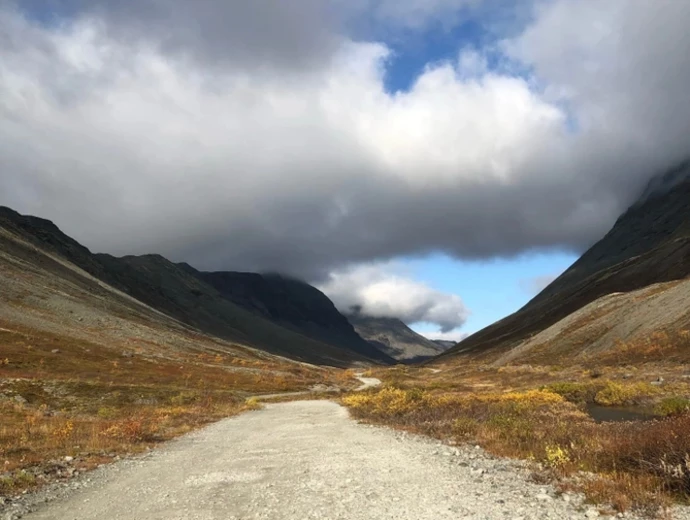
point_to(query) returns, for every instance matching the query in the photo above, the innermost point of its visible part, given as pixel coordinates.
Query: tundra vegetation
(68, 406)
(539, 413)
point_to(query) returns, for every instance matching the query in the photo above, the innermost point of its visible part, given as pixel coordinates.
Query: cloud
(411, 14)
(382, 291)
(621, 68)
(453, 335)
(161, 131)
(405, 21)
(271, 34)
(537, 284)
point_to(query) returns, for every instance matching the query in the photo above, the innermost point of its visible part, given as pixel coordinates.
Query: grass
(92, 404)
(532, 415)
(34, 439)
(665, 346)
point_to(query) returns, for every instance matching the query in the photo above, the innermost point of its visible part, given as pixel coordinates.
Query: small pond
(619, 414)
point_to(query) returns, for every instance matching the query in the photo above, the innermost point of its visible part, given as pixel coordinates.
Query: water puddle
(619, 414)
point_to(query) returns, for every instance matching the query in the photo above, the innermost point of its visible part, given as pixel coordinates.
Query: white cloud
(384, 291)
(622, 67)
(229, 169)
(141, 144)
(453, 335)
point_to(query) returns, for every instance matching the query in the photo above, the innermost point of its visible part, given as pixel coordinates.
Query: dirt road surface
(367, 382)
(303, 460)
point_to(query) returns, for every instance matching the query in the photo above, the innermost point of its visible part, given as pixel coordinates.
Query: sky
(439, 161)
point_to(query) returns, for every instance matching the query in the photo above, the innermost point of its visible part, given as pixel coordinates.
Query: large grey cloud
(240, 137)
(274, 35)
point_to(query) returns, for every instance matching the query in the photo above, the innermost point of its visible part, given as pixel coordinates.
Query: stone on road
(302, 460)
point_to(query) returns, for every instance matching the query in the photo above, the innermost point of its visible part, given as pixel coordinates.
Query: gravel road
(367, 382)
(308, 459)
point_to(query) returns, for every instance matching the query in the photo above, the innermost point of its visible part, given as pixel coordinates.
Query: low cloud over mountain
(380, 291)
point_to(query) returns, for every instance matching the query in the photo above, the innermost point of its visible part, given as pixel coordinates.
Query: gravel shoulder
(300, 460)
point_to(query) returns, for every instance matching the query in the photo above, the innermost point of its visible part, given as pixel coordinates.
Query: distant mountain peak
(394, 337)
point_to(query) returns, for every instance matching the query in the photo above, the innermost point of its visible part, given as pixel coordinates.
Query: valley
(585, 390)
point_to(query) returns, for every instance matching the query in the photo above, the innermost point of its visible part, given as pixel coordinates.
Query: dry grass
(93, 404)
(660, 346)
(641, 466)
(34, 441)
(29, 355)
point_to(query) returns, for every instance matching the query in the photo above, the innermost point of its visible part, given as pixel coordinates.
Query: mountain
(292, 304)
(35, 254)
(445, 344)
(394, 338)
(631, 284)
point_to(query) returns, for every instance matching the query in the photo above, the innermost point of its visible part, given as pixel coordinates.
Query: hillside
(150, 284)
(294, 305)
(394, 338)
(89, 373)
(649, 244)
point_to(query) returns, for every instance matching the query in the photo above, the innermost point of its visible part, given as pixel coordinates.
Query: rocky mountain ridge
(394, 338)
(152, 284)
(292, 304)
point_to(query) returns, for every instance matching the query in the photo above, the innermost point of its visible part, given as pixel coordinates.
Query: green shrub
(673, 406)
(575, 392)
(618, 394)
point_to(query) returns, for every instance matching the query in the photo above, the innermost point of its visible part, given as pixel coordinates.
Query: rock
(55, 351)
(20, 399)
(68, 459)
(543, 497)
(628, 376)
(592, 513)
